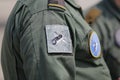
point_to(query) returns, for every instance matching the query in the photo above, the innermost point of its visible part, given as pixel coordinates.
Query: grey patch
(117, 37)
(58, 39)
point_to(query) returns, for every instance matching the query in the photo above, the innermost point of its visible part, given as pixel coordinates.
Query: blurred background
(7, 5)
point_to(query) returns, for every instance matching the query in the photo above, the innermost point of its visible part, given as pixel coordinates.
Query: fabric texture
(25, 54)
(106, 25)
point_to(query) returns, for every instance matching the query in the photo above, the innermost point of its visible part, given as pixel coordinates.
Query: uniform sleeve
(40, 48)
(101, 27)
(45, 48)
(105, 32)
(8, 59)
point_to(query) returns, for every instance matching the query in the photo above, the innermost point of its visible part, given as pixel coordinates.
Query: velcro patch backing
(58, 39)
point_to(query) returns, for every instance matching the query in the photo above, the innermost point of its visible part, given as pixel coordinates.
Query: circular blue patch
(117, 37)
(95, 47)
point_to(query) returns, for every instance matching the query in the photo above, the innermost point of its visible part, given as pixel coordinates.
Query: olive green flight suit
(107, 25)
(27, 52)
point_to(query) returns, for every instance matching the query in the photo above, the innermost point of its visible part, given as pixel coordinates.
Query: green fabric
(106, 25)
(24, 49)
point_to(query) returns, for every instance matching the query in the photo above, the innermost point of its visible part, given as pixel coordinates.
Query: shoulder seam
(28, 5)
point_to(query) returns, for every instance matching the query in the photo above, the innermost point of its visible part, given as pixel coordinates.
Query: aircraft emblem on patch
(58, 39)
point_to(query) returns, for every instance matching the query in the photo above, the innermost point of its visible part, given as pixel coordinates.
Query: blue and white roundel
(95, 47)
(117, 37)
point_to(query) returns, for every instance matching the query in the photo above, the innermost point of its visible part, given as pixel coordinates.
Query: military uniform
(105, 20)
(46, 40)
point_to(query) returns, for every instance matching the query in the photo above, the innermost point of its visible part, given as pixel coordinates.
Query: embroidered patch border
(94, 44)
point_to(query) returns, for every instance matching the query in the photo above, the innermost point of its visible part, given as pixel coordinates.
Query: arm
(104, 28)
(34, 57)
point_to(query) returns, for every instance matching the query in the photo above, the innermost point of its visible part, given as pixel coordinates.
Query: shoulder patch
(117, 37)
(94, 44)
(92, 15)
(58, 39)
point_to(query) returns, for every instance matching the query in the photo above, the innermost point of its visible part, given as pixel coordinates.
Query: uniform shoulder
(34, 6)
